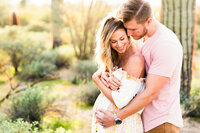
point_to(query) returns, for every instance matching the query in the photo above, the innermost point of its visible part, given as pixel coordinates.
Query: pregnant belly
(103, 103)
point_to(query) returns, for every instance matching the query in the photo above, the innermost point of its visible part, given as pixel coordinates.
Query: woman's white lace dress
(129, 88)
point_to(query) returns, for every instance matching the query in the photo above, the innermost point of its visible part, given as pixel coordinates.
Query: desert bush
(55, 123)
(185, 101)
(58, 130)
(26, 50)
(38, 26)
(59, 57)
(37, 70)
(29, 105)
(89, 93)
(84, 70)
(17, 126)
(192, 104)
(21, 126)
(21, 49)
(195, 99)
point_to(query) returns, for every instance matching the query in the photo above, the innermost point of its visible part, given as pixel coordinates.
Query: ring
(102, 123)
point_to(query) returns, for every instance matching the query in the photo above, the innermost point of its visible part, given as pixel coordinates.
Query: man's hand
(110, 81)
(106, 119)
(113, 82)
(105, 78)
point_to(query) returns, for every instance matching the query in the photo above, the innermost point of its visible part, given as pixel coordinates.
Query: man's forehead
(131, 24)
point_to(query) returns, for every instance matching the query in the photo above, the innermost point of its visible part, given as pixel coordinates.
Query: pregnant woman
(118, 55)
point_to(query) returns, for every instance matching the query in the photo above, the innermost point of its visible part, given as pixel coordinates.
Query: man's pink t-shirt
(163, 55)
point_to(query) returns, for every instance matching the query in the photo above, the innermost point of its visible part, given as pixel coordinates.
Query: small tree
(82, 21)
(18, 48)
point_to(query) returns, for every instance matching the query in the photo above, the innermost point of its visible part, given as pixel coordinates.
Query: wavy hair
(106, 56)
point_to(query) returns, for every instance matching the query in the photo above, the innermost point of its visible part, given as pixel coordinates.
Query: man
(163, 56)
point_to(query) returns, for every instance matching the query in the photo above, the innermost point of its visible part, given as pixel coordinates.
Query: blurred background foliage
(47, 60)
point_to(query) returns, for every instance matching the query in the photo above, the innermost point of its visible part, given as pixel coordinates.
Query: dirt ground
(190, 126)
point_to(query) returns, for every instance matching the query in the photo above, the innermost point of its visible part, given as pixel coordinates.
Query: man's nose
(129, 33)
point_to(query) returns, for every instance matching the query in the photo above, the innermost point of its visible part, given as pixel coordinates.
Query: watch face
(118, 121)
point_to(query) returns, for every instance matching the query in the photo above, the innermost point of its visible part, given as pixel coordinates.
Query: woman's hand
(105, 78)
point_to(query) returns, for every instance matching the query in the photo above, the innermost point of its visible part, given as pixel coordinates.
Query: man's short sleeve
(164, 59)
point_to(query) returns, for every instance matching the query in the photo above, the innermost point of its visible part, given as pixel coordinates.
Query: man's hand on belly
(105, 118)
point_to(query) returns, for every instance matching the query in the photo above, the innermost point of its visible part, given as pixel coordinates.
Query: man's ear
(149, 20)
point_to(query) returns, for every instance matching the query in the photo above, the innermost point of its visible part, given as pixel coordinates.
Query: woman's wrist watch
(117, 119)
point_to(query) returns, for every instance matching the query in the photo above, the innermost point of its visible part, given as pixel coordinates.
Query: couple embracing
(139, 74)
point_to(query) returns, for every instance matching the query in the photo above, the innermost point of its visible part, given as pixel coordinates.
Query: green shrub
(17, 126)
(14, 49)
(185, 101)
(89, 93)
(192, 104)
(2, 117)
(39, 38)
(26, 50)
(38, 26)
(29, 105)
(37, 69)
(58, 130)
(83, 70)
(55, 123)
(195, 99)
(58, 57)
(20, 48)
(20, 126)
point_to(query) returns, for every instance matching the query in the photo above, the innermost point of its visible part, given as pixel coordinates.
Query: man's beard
(143, 34)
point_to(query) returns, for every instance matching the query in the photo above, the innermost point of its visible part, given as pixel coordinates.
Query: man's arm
(154, 83)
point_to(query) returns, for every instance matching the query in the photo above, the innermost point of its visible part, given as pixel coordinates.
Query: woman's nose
(120, 44)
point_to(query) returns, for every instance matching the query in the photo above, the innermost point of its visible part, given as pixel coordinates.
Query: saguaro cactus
(57, 22)
(178, 15)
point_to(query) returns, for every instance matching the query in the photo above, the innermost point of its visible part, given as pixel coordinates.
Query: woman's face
(119, 41)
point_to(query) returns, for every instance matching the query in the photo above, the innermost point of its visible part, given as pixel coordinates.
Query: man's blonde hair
(106, 56)
(140, 10)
